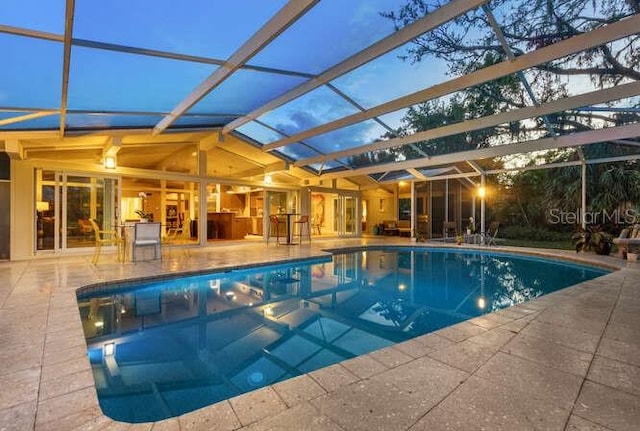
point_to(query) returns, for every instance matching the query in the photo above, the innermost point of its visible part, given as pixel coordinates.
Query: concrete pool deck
(567, 361)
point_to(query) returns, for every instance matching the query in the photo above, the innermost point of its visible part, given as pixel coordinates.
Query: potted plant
(459, 239)
(471, 226)
(593, 238)
(144, 216)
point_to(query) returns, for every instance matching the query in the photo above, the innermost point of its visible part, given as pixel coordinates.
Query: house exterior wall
(23, 212)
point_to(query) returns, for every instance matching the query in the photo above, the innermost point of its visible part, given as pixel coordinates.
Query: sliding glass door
(345, 207)
(65, 203)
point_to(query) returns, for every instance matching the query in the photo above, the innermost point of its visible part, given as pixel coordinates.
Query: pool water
(160, 349)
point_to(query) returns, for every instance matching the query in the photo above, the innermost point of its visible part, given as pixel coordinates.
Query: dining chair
(85, 227)
(146, 235)
(102, 237)
(179, 236)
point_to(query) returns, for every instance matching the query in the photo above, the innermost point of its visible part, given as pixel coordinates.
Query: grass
(558, 245)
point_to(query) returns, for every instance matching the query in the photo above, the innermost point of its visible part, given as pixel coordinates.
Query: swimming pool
(166, 347)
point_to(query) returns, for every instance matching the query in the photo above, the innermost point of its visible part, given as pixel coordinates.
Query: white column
(412, 217)
(202, 201)
(583, 209)
(446, 199)
(482, 206)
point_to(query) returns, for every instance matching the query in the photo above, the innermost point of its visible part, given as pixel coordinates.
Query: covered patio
(162, 112)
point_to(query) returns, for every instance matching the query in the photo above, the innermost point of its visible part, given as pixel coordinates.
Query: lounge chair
(489, 236)
(629, 237)
(390, 227)
(449, 229)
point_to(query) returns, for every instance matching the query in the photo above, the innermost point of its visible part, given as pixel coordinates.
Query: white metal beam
(507, 49)
(475, 166)
(627, 142)
(432, 20)
(469, 175)
(18, 31)
(566, 164)
(66, 61)
(560, 49)
(285, 17)
(26, 117)
(560, 105)
(563, 141)
(416, 173)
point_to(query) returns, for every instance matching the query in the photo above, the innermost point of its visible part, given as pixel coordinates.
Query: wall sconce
(109, 162)
(482, 192)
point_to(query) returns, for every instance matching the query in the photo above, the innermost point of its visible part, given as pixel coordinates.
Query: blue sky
(330, 32)
(106, 80)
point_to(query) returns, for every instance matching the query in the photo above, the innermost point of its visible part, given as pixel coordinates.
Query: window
(404, 209)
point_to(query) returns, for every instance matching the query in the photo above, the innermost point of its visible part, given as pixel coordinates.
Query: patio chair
(489, 237)
(629, 238)
(449, 228)
(84, 227)
(146, 235)
(179, 236)
(102, 237)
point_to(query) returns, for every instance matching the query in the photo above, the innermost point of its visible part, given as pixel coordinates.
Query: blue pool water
(160, 349)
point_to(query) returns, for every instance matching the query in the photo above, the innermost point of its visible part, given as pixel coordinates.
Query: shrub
(532, 234)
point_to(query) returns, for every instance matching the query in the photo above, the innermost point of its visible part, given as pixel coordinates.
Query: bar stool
(274, 224)
(301, 223)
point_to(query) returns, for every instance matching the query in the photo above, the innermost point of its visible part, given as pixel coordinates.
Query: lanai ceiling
(310, 89)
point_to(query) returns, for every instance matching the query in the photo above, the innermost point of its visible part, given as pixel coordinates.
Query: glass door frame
(348, 217)
(60, 184)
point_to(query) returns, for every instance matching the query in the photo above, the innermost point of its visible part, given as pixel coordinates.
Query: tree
(528, 25)
(469, 43)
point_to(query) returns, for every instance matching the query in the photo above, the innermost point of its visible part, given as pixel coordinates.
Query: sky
(210, 31)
